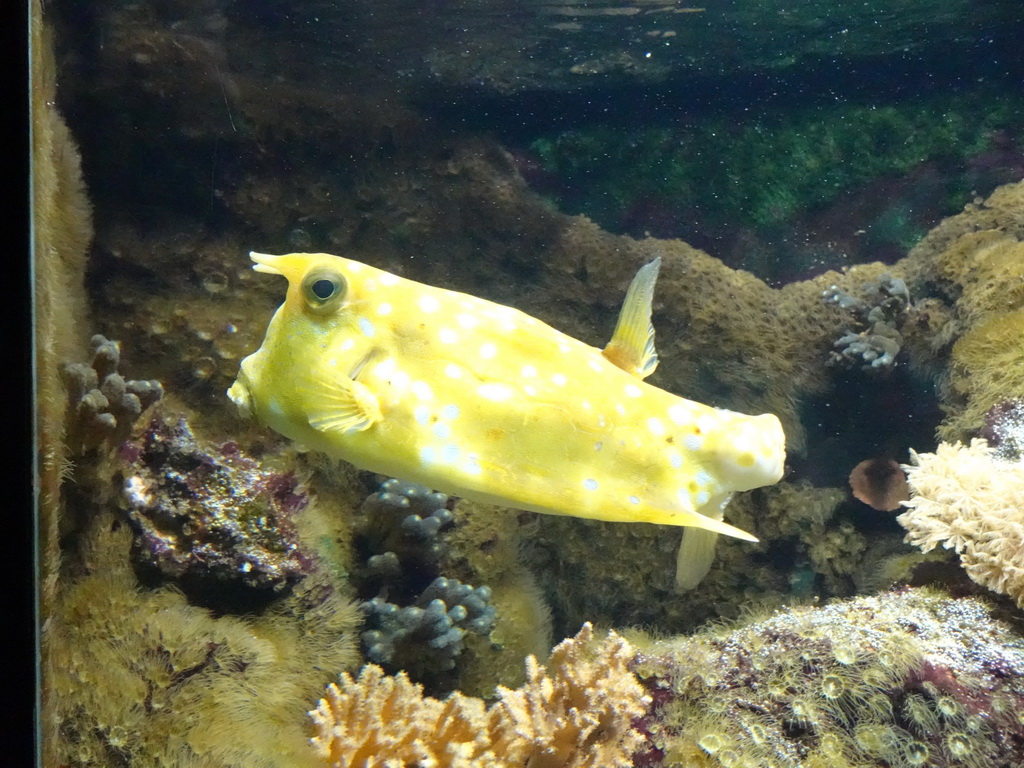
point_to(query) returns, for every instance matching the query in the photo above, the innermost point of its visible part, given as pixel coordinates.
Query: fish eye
(323, 289)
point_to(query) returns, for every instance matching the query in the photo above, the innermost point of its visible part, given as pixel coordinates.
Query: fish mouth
(240, 394)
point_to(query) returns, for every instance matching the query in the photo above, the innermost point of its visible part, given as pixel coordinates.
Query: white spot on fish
(347, 344)
(676, 460)
(421, 414)
(632, 390)
(473, 464)
(428, 454)
(385, 369)
(656, 427)
(448, 336)
(693, 442)
(387, 278)
(528, 371)
(563, 348)
(400, 380)
(370, 285)
(530, 390)
(701, 498)
(450, 411)
(334, 362)
(384, 309)
(679, 414)
(590, 484)
(422, 390)
(559, 379)
(595, 365)
(467, 321)
(488, 351)
(429, 304)
(450, 454)
(452, 371)
(707, 424)
(634, 499)
(702, 478)
(442, 431)
(601, 421)
(620, 409)
(598, 445)
(494, 392)
(585, 405)
(354, 266)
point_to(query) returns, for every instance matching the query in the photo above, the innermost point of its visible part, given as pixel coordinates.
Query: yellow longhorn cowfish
(480, 400)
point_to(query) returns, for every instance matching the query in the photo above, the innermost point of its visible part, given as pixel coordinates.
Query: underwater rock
(1004, 430)
(912, 677)
(210, 517)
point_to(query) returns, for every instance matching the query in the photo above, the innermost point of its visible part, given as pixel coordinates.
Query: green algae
(763, 170)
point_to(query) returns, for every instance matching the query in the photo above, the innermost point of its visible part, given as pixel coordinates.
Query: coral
(988, 365)
(425, 638)
(578, 714)
(211, 517)
(61, 232)
(411, 623)
(906, 678)
(141, 677)
(881, 311)
(397, 530)
(486, 544)
(971, 502)
(976, 261)
(104, 404)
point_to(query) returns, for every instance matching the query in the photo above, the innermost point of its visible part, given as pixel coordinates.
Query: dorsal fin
(632, 344)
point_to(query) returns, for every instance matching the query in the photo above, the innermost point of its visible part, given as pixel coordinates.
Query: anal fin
(696, 554)
(697, 549)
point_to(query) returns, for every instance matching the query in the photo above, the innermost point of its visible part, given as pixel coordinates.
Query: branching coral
(579, 716)
(969, 501)
(104, 404)
(880, 313)
(412, 625)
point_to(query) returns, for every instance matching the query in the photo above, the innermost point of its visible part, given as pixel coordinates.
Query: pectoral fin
(632, 344)
(337, 403)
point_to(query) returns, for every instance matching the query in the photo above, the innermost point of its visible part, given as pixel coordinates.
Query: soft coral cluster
(968, 500)
(578, 715)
